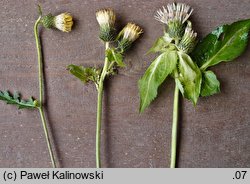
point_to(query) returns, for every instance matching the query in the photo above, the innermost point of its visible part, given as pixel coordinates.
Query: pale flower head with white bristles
(62, 22)
(106, 19)
(132, 32)
(175, 11)
(174, 16)
(128, 35)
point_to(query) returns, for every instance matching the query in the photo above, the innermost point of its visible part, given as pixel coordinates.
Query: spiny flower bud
(106, 20)
(174, 16)
(188, 40)
(63, 22)
(128, 35)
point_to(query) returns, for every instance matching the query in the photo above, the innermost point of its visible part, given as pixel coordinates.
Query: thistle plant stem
(111, 65)
(204, 66)
(174, 128)
(40, 107)
(45, 128)
(99, 109)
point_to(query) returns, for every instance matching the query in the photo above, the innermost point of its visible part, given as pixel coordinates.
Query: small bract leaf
(159, 46)
(210, 84)
(179, 85)
(85, 74)
(117, 57)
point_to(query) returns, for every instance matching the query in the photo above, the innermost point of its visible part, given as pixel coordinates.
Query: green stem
(204, 67)
(39, 58)
(174, 128)
(45, 128)
(40, 76)
(99, 110)
(111, 65)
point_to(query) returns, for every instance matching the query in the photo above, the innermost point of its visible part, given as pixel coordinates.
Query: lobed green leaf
(15, 99)
(85, 74)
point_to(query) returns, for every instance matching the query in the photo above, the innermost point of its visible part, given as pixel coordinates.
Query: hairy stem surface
(99, 110)
(40, 76)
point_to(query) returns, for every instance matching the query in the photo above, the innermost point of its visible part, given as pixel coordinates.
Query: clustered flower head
(106, 19)
(175, 16)
(62, 22)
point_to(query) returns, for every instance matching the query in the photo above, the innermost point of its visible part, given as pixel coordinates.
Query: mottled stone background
(216, 133)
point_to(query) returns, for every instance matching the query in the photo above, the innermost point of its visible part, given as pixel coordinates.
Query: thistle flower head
(174, 16)
(188, 40)
(106, 19)
(174, 12)
(131, 32)
(63, 22)
(128, 35)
